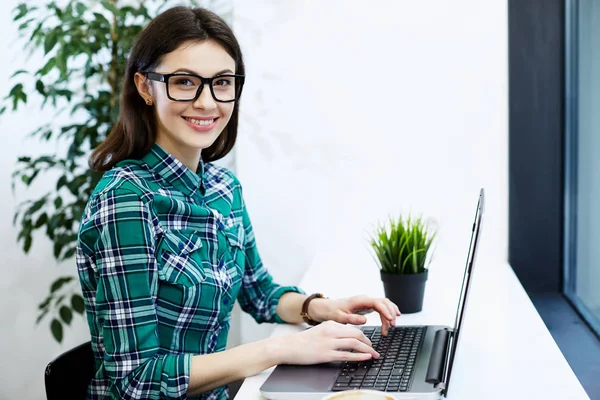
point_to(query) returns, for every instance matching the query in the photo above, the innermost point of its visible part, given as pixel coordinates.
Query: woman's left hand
(350, 310)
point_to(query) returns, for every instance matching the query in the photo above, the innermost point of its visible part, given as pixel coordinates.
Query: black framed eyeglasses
(188, 87)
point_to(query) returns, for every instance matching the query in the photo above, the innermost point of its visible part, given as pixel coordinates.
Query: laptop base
(291, 382)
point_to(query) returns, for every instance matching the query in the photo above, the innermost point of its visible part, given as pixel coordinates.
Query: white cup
(360, 394)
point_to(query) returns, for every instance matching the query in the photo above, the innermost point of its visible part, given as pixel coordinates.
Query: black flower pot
(406, 290)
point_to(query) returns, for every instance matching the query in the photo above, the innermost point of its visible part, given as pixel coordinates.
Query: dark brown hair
(135, 131)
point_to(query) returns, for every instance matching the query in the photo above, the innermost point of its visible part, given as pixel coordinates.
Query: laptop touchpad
(301, 378)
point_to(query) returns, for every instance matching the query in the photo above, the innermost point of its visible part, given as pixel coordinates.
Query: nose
(205, 101)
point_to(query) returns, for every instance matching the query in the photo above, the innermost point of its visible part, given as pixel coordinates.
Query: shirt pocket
(236, 238)
(180, 258)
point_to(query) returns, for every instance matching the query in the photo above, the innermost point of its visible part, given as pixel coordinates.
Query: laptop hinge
(438, 360)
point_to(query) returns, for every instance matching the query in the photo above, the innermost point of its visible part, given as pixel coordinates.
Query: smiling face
(184, 129)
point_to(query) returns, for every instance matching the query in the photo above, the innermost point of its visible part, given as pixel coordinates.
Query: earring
(149, 102)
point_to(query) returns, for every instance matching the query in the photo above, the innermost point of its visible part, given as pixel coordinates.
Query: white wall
(349, 112)
(353, 111)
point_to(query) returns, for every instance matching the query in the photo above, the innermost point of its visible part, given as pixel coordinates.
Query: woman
(166, 245)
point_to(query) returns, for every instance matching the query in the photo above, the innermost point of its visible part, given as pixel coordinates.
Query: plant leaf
(41, 221)
(39, 86)
(57, 284)
(69, 253)
(27, 244)
(57, 330)
(110, 7)
(45, 303)
(42, 315)
(77, 303)
(22, 10)
(47, 67)
(19, 72)
(50, 41)
(66, 314)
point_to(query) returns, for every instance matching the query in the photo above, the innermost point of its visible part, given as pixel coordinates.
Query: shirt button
(181, 246)
(225, 301)
(221, 226)
(221, 263)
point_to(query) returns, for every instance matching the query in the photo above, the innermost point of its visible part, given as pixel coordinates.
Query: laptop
(415, 361)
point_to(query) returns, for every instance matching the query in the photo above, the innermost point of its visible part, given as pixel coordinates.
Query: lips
(202, 125)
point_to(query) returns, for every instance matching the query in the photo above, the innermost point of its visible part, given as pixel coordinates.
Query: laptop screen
(464, 291)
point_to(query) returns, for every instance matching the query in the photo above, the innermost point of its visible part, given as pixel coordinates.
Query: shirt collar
(173, 171)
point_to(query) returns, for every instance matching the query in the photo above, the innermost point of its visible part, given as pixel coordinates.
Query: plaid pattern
(163, 253)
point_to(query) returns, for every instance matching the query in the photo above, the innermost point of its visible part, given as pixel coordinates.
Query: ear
(143, 87)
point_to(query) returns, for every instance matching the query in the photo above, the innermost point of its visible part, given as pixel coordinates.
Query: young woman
(166, 244)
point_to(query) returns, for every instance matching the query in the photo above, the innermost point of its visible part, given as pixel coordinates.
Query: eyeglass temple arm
(155, 77)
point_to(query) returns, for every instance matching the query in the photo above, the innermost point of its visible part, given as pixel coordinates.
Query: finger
(354, 319)
(395, 309)
(356, 345)
(392, 311)
(398, 313)
(383, 309)
(349, 332)
(385, 325)
(347, 356)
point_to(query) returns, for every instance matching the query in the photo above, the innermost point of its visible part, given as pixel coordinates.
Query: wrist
(276, 350)
(319, 309)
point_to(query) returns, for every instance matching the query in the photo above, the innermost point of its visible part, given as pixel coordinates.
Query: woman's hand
(350, 310)
(325, 342)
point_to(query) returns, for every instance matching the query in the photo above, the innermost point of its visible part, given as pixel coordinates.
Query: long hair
(135, 131)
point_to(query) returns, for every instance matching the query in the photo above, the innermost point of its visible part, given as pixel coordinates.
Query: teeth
(200, 122)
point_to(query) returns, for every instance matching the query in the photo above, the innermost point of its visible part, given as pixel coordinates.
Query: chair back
(69, 375)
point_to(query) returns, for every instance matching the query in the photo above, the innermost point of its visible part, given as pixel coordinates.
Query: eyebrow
(189, 71)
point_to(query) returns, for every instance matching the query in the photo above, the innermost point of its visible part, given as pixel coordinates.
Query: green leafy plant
(84, 45)
(402, 246)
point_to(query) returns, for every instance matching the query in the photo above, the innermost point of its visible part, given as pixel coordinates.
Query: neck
(188, 156)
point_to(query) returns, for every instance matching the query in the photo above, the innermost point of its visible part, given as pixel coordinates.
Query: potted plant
(403, 253)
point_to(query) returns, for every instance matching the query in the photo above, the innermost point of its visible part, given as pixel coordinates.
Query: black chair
(68, 376)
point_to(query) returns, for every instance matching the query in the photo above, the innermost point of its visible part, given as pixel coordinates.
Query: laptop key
(340, 387)
(343, 379)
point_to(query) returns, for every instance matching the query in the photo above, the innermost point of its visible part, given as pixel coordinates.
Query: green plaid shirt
(163, 254)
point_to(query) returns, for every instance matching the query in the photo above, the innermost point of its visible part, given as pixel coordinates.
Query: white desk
(505, 352)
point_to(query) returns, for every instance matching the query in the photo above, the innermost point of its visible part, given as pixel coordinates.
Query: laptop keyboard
(393, 370)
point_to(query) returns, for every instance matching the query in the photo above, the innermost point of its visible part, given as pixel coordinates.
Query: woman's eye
(223, 82)
(184, 82)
